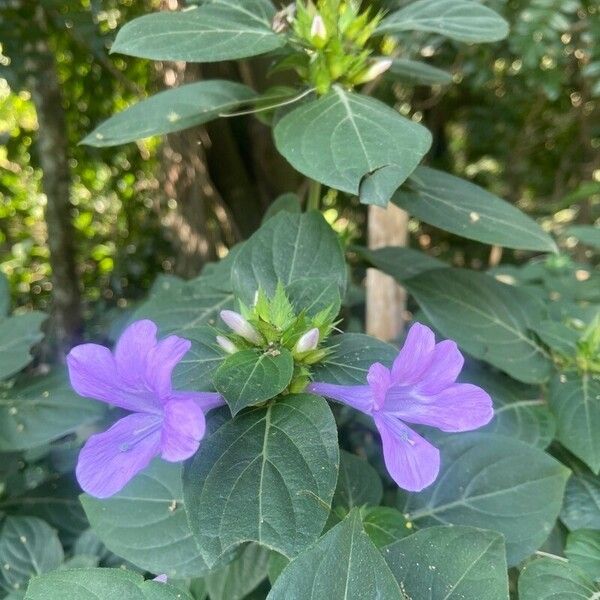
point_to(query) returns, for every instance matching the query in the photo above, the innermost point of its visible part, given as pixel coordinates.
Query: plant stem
(314, 196)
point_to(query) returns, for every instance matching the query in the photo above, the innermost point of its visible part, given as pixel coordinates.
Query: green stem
(314, 196)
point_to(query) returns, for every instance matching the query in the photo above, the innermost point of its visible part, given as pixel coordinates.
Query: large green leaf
(100, 584)
(414, 71)
(488, 319)
(343, 565)
(581, 508)
(358, 483)
(4, 296)
(37, 413)
(250, 377)
(217, 30)
(352, 355)
(465, 209)
(17, 335)
(352, 143)
(555, 579)
(287, 248)
(236, 580)
(494, 482)
(385, 525)
(267, 476)
(583, 550)
(586, 234)
(520, 411)
(400, 263)
(169, 111)
(450, 563)
(575, 400)
(313, 294)
(146, 524)
(463, 20)
(28, 546)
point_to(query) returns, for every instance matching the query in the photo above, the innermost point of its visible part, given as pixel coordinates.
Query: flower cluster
(420, 389)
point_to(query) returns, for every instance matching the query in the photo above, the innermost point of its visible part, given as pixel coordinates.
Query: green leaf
(287, 248)
(553, 579)
(352, 143)
(313, 295)
(240, 577)
(173, 110)
(42, 411)
(250, 377)
(17, 335)
(462, 20)
(29, 547)
(493, 482)
(583, 550)
(358, 483)
(414, 71)
(146, 524)
(352, 355)
(217, 30)
(4, 296)
(488, 319)
(343, 565)
(520, 411)
(385, 525)
(575, 400)
(450, 563)
(183, 306)
(400, 263)
(586, 234)
(266, 476)
(581, 508)
(289, 202)
(558, 337)
(100, 584)
(463, 208)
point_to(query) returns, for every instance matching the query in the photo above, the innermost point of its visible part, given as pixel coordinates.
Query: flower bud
(375, 70)
(227, 345)
(309, 341)
(318, 29)
(239, 325)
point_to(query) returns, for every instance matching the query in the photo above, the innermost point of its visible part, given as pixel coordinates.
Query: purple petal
(93, 374)
(446, 365)
(411, 460)
(379, 379)
(131, 352)
(460, 407)
(161, 578)
(357, 396)
(205, 400)
(415, 356)
(161, 361)
(110, 459)
(183, 428)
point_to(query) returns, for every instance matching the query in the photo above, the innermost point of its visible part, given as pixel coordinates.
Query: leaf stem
(314, 196)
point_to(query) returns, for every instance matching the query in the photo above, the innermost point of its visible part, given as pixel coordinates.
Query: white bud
(376, 69)
(318, 29)
(309, 341)
(227, 345)
(239, 325)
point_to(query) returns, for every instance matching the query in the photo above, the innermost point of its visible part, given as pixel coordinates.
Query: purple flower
(420, 389)
(136, 377)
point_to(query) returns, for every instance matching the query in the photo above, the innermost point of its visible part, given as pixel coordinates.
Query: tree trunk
(386, 300)
(52, 143)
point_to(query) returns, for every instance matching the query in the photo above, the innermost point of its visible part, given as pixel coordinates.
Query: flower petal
(415, 356)
(411, 460)
(131, 351)
(460, 407)
(183, 428)
(205, 400)
(446, 365)
(161, 361)
(110, 459)
(380, 380)
(93, 374)
(357, 396)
